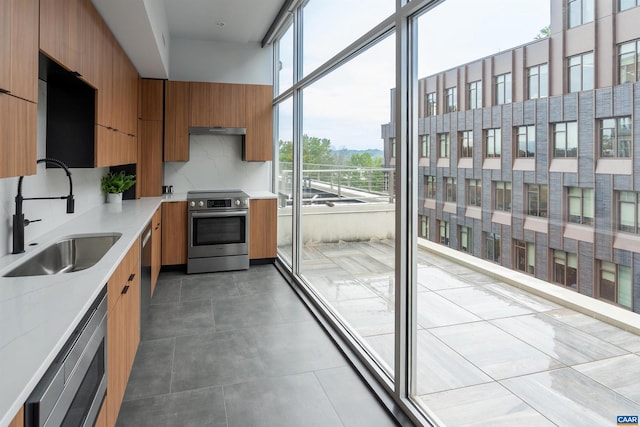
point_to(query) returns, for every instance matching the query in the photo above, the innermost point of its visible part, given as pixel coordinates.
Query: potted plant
(114, 184)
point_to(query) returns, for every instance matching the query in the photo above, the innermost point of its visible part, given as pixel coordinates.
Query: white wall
(221, 62)
(51, 182)
(216, 164)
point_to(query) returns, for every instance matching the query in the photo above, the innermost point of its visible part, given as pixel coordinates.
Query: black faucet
(19, 223)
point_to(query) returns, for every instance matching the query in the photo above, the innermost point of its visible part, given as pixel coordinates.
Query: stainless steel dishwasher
(145, 275)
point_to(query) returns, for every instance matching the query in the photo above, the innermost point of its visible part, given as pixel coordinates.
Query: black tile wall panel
(530, 113)
(622, 100)
(542, 141)
(505, 246)
(586, 271)
(422, 126)
(477, 238)
(556, 198)
(496, 116)
(517, 205)
(542, 257)
(623, 257)
(528, 236)
(636, 282)
(585, 140)
(478, 144)
(507, 143)
(487, 200)
(636, 136)
(570, 245)
(603, 208)
(623, 182)
(517, 114)
(604, 98)
(570, 105)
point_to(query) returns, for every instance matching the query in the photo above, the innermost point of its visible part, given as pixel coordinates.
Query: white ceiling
(143, 26)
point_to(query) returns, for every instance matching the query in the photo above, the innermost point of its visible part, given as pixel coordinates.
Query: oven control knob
(192, 204)
(237, 202)
(200, 203)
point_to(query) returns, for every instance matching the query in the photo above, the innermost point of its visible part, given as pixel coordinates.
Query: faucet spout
(19, 222)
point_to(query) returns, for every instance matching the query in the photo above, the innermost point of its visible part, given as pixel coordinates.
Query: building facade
(528, 157)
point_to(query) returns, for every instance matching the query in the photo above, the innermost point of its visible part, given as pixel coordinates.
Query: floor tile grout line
(335, 410)
(173, 359)
(224, 401)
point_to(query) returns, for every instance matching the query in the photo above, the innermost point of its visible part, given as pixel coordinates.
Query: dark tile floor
(240, 349)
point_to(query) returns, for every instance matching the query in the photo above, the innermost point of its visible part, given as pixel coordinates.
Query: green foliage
(118, 182)
(544, 33)
(314, 151)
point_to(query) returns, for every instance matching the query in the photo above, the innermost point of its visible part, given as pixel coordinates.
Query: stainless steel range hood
(217, 130)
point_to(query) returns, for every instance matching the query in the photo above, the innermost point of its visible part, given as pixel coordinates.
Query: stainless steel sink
(73, 253)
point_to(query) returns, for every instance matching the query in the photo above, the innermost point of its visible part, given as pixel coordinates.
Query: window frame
(423, 230)
(583, 12)
(503, 89)
(634, 53)
(474, 192)
(614, 270)
(492, 246)
(582, 218)
(466, 144)
(582, 74)
(541, 79)
(431, 102)
(541, 209)
(465, 234)
(529, 134)
(450, 189)
(634, 3)
(565, 131)
(451, 99)
(616, 139)
(503, 203)
(474, 90)
(492, 140)
(565, 268)
(425, 146)
(522, 253)
(444, 146)
(444, 232)
(430, 186)
(635, 228)
(392, 147)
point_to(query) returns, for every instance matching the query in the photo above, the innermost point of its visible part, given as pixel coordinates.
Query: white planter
(114, 198)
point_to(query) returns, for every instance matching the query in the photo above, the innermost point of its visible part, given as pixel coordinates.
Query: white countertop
(253, 194)
(39, 313)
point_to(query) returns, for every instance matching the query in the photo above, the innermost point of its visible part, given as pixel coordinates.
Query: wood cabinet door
(18, 420)
(259, 123)
(152, 99)
(116, 361)
(59, 31)
(104, 47)
(263, 217)
(174, 233)
(149, 163)
(176, 121)
(19, 48)
(17, 136)
(217, 104)
(156, 248)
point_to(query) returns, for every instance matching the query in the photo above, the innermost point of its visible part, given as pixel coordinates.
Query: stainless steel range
(218, 234)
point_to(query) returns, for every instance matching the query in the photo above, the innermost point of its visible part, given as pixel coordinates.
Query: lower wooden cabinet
(123, 328)
(263, 235)
(101, 419)
(174, 233)
(156, 247)
(18, 420)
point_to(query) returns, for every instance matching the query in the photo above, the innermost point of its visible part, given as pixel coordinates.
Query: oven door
(213, 234)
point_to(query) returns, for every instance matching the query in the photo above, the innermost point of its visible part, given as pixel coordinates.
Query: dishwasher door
(145, 275)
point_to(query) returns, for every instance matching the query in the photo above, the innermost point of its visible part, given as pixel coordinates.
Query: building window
(503, 88)
(628, 61)
(615, 137)
(430, 190)
(565, 139)
(565, 269)
(425, 145)
(627, 4)
(502, 191)
(525, 256)
(493, 143)
(581, 72)
(424, 226)
(443, 232)
(445, 145)
(392, 141)
(431, 104)
(466, 239)
(475, 94)
(450, 187)
(466, 143)
(474, 192)
(628, 213)
(492, 247)
(615, 283)
(537, 197)
(581, 205)
(526, 141)
(538, 81)
(452, 99)
(580, 12)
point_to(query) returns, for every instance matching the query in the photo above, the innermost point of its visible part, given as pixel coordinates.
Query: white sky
(349, 105)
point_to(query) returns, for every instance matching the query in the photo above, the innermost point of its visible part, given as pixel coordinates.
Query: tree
(314, 151)
(544, 33)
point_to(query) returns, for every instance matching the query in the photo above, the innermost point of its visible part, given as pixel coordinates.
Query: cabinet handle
(157, 226)
(4, 91)
(125, 290)
(131, 276)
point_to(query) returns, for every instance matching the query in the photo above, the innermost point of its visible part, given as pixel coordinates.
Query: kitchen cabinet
(17, 136)
(217, 104)
(114, 148)
(101, 419)
(156, 248)
(125, 93)
(19, 49)
(149, 166)
(152, 99)
(174, 233)
(18, 420)
(259, 123)
(123, 328)
(59, 32)
(263, 214)
(176, 121)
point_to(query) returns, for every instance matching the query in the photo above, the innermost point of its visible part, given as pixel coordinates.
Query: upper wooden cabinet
(259, 123)
(152, 99)
(60, 31)
(217, 104)
(149, 167)
(17, 136)
(125, 93)
(176, 121)
(19, 48)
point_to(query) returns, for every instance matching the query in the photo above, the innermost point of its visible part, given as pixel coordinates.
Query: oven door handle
(218, 214)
